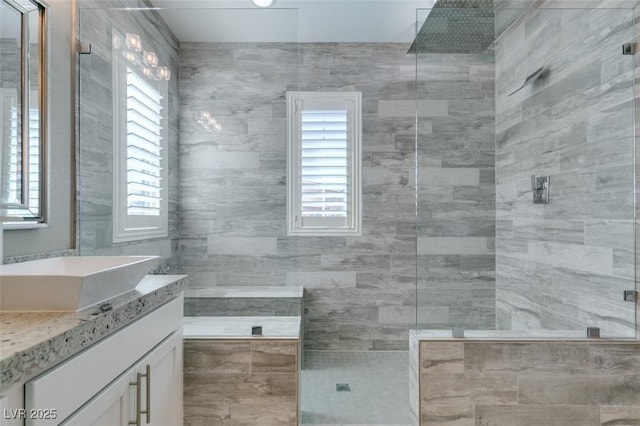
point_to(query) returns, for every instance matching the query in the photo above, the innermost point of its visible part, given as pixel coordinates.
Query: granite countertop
(287, 327)
(33, 342)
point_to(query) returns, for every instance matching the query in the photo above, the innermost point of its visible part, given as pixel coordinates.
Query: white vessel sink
(68, 284)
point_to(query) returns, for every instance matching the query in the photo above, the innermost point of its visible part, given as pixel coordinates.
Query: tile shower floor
(378, 383)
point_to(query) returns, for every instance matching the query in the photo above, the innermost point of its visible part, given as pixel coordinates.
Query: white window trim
(134, 228)
(294, 166)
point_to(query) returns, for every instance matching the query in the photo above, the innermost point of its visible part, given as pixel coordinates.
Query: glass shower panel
(128, 133)
(552, 97)
(455, 169)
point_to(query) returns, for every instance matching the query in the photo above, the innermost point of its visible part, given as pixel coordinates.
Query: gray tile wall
(360, 291)
(456, 192)
(564, 265)
(10, 64)
(95, 188)
(505, 383)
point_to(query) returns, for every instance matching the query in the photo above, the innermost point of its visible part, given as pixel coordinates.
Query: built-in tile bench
(503, 378)
(243, 301)
(232, 377)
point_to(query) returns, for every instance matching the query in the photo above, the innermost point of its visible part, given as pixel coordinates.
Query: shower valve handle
(540, 189)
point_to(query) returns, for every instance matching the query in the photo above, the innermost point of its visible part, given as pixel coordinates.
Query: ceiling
(366, 21)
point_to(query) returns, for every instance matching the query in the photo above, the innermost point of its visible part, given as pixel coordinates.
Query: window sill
(11, 226)
(327, 233)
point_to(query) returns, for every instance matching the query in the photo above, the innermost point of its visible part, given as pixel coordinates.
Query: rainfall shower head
(456, 26)
(468, 26)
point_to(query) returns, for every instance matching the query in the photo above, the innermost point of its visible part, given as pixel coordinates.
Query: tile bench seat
(232, 377)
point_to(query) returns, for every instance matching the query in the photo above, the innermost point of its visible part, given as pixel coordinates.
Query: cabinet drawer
(67, 387)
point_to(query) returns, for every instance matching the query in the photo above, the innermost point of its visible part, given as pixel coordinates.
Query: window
(323, 170)
(140, 165)
(11, 162)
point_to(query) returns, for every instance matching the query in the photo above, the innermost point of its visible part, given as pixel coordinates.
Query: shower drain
(343, 387)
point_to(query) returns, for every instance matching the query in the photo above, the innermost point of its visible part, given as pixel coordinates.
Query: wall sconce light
(148, 60)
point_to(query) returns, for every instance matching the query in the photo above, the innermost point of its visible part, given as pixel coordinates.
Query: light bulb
(130, 56)
(163, 73)
(150, 58)
(133, 42)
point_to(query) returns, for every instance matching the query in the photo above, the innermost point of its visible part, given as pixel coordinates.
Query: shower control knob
(540, 189)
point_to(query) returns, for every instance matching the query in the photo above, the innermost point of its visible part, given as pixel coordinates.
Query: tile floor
(379, 384)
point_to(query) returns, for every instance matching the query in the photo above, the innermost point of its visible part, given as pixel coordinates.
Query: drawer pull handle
(148, 377)
(138, 385)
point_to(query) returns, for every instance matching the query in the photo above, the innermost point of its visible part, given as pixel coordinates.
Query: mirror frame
(19, 215)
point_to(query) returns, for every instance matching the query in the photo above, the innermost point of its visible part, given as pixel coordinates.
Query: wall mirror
(22, 111)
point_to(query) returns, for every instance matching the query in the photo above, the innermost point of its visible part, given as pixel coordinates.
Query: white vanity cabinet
(126, 400)
(9, 400)
(132, 377)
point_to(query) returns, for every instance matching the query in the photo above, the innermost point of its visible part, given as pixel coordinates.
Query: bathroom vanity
(118, 363)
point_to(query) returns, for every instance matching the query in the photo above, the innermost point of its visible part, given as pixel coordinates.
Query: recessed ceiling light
(264, 3)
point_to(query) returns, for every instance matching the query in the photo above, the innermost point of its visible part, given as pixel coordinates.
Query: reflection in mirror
(22, 92)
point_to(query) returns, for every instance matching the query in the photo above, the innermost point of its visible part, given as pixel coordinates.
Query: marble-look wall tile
(454, 245)
(241, 246)
(208, 158)
(229, 306)
(580, 389)
(451, 177)
(577, 126)
(274, 357)
(536, 415)
(466, 388)
(210, 356)
(408, 108)
(322, 279)
(442, 358)
(233, 184)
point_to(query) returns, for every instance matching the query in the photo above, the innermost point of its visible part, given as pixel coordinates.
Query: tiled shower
(488, 257)
(451, 236)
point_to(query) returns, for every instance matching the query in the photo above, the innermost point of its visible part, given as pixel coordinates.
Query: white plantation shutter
(324, 163)
(14, 156)
(140, 205)
(144, 147)
(34, 161)
(33, 198)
